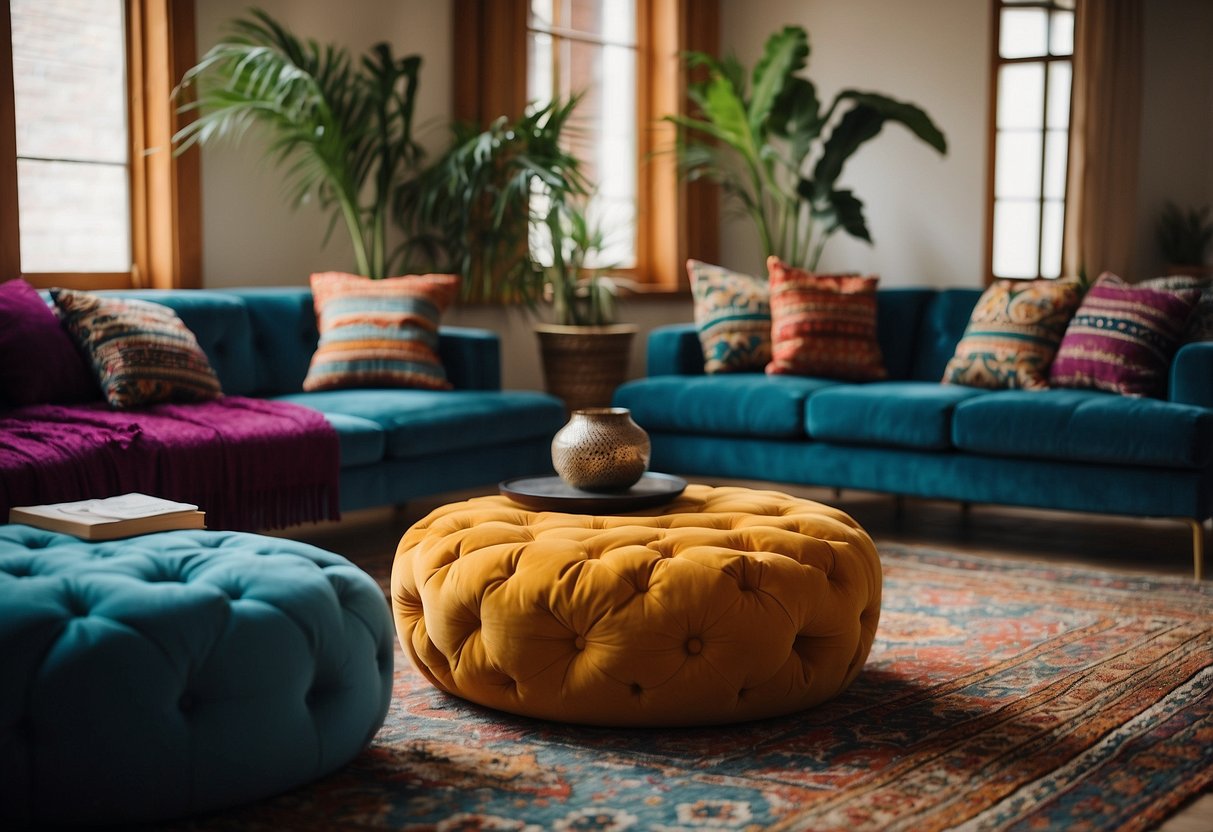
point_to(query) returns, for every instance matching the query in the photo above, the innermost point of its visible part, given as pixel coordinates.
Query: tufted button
(694, 646)
(579, 642)
(637, 689)
(188, 703)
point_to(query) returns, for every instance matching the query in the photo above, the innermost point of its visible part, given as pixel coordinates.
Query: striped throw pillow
(733, 315)
(1122, 338)
(379, 333)
(141, 352)
(1013, 334)
(823, 324)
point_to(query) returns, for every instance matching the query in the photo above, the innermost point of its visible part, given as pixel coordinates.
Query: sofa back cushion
(943, 323)
(899, 319)
(221, 325)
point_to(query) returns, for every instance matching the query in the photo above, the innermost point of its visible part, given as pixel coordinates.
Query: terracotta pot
(584, 364)
(601, 449)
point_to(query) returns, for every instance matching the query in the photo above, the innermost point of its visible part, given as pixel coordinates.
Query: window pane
(603, 130)
(68, 79)
(1023, 33)
(1061, 33)
(541, 14)
(1016, 229)
(1021, 90)
(74, 217)
(1060, 73)
(1056, 152)
(70, 100)
(1050, 243)
(1017, 172)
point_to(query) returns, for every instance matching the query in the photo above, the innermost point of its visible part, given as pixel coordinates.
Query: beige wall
(250, 235)
(1177, 118)
(926, 213)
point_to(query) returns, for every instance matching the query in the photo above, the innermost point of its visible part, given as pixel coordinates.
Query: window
(624, 57)
(589, 47)
(90, 195)
(1030, 119)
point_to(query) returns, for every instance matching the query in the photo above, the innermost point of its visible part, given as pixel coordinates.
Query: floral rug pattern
(998, 695)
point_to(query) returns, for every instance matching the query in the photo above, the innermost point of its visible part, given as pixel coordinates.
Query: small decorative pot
(601, 449)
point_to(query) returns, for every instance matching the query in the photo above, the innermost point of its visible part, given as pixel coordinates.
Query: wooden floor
(1156, 546)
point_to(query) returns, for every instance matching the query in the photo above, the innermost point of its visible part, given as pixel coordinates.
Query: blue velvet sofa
(396, 444)
(1073, 450)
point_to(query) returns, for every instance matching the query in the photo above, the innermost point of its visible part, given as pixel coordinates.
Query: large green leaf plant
(342, 131)
(777, 154)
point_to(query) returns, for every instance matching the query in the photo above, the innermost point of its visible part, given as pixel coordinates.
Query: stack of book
(113, 517)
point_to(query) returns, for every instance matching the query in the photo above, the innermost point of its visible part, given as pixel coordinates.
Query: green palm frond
(764, 145)
(335, 128)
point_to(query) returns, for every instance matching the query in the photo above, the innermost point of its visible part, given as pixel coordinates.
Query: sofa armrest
(471, 357)
(1192, 375)
(674, 350)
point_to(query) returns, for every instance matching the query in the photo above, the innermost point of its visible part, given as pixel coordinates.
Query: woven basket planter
(584, 364)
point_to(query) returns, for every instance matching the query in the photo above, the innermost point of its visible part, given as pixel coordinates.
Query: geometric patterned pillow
(379, 333)
(733, 314)
(1013, 334)
(141, 352)
(1122, 338)
(823, 325)
(1200, 325)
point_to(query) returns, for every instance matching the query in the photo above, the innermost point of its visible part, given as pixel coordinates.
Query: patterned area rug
(997, 696)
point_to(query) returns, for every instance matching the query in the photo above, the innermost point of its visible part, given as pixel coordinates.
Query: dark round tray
(554, 494)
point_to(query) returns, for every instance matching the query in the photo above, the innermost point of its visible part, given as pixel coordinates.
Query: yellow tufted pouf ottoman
(724, 605)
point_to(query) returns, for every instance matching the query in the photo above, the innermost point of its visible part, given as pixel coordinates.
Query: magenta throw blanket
(248, 463)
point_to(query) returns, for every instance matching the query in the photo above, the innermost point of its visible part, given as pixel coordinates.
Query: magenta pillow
(39, 362)
(1122, 338)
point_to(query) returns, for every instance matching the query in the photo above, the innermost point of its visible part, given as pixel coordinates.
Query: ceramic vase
(601, 449)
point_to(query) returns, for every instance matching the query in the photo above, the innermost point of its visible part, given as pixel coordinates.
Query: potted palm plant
(506, 207)
(585, 353)
(341, 130)
(765, 139)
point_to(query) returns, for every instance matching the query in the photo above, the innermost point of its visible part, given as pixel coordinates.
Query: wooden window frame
(675, 219)
(166, 239)
(996, 63)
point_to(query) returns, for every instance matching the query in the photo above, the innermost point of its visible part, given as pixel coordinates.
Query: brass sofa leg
(1198, 547)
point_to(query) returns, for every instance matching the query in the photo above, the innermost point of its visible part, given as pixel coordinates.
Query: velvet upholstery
(260, 341)
(1085, 426)
(903, 414)
(1064, 449)
(725, 605)
(742, 404)
(424, 422)
(179, 673)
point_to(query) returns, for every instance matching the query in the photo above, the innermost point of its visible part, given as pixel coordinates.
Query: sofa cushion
(421, 423)
(1122, 338)
(943, 323)
(733, 314)
(141, 352)
(379, 333)
(362, 441)
(28, 327)
(1013, 334)
(823, 324)
(740, 404)
(903, 414)
(1085, 426)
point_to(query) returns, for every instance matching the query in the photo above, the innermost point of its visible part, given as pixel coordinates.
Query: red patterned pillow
(823, 324)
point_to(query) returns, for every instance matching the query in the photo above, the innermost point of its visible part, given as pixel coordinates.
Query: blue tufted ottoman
(180, 672)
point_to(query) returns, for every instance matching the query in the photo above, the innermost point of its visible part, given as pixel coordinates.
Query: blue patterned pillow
(141, 352)
(733, 313)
